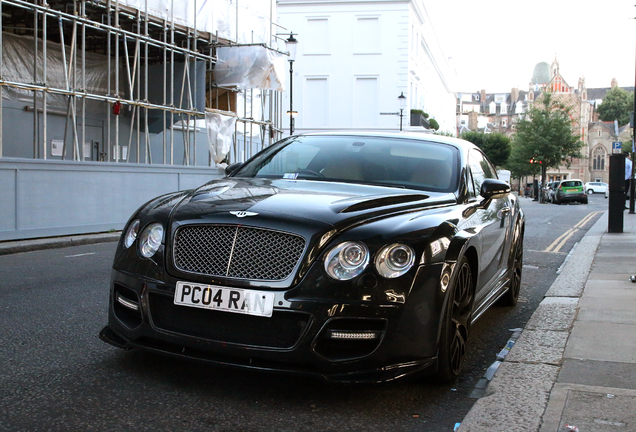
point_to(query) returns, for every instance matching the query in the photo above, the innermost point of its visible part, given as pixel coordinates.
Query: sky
(495, 44)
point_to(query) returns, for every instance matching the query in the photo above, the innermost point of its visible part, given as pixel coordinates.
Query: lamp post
(291, 44)
(402, 101)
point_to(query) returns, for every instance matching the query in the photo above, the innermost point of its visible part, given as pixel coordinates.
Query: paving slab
(598, 274)
(539, 346)
(589, 408)
(554, 313)
(602, 341)
(609, 288)
(616, 315)
(598, 373)
(514, 400)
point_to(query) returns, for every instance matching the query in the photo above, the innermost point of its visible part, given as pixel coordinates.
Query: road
(56, 375)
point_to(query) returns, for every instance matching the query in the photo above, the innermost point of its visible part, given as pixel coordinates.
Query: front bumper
(294, 340)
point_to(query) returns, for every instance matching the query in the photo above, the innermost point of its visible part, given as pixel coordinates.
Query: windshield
(394, 162)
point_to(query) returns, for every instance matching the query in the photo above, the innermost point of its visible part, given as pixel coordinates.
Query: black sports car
(351, 256)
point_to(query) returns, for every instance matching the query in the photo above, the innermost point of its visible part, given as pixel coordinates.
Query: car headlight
(394, 260)
(150, 240)
(347, 260)
(131, 234)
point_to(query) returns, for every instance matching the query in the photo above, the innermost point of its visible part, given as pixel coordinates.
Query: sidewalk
(575, 362)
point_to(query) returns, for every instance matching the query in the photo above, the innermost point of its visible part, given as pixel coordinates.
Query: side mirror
(492, 187)
(233, 168)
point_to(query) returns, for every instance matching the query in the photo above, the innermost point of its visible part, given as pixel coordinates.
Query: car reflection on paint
(350, 256)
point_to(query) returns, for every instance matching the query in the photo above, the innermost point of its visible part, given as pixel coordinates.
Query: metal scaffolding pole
(1, 78)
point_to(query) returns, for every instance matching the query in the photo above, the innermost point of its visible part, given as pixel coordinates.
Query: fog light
(127, 303)
(352, 335)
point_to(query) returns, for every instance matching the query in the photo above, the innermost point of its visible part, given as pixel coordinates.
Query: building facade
(355, 58)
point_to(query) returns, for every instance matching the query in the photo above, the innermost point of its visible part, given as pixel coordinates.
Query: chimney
(483, 96)
(472, 120)
(514, 95)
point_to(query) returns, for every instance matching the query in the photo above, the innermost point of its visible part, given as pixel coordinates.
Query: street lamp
(291, 44)
(402, 101)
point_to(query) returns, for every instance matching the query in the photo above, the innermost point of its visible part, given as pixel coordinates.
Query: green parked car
(570, 190)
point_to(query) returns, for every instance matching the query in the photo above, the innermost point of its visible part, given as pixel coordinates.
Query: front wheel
(456, 324)
(590, 191)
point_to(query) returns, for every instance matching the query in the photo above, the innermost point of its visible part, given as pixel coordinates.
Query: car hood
(239, 200)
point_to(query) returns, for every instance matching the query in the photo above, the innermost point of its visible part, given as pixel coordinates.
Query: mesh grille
(237, 252)
(282, 330)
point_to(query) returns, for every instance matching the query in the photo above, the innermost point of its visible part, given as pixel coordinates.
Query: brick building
(499, 112)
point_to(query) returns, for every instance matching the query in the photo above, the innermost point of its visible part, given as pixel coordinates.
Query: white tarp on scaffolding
(250, 67)
(220, 129)
(17, 67)
(245, 21)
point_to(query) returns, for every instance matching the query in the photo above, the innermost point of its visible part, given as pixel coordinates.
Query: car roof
(457, 142)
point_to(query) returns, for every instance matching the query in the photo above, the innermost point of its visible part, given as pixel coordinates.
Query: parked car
(570, 190)
(551, 191)
(595, 187)
(350, 256)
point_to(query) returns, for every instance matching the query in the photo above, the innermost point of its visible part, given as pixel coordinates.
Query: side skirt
(500, 289)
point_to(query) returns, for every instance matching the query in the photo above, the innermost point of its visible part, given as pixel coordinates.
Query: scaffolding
(137, 81)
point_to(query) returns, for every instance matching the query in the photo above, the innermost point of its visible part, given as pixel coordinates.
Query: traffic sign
(616, 147)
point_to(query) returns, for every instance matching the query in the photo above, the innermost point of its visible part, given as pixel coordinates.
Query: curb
(13, 247)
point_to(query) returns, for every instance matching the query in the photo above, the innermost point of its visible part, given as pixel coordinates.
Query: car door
(494, 222)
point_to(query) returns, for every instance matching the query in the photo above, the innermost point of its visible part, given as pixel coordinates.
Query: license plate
(249, 302)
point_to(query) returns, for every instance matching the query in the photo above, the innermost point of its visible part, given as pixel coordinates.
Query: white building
(355, 57)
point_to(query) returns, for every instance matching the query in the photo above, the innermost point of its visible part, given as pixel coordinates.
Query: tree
(617, 105)
(496, 146)
(544, 137)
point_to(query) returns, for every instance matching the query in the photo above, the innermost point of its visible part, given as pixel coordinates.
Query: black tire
(456, 324)
(590, 191)
(511, 296)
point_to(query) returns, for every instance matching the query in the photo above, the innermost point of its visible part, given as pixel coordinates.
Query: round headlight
(347, 260)
(131, 234)
(150, 240)
(394, 260)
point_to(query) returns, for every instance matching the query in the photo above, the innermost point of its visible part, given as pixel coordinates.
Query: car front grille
(237, 251)
(282, 330)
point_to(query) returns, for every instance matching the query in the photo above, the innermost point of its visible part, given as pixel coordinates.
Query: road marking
(79, 255)
(560, 241)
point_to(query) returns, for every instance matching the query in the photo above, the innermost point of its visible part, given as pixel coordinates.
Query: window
(316, 102)
(600, 133)
(598, 159)
(480, 168)
(365, 102)
(367, 36)
(317, 36)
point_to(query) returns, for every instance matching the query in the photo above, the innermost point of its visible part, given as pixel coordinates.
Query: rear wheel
(511, 296)
(456, 324)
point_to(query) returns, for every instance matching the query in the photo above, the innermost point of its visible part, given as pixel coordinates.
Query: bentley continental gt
(356, 257)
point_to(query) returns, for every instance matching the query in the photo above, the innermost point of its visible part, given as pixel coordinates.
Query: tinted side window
(480, 168)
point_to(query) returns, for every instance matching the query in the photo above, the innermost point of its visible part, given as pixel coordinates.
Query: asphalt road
(56, 375)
